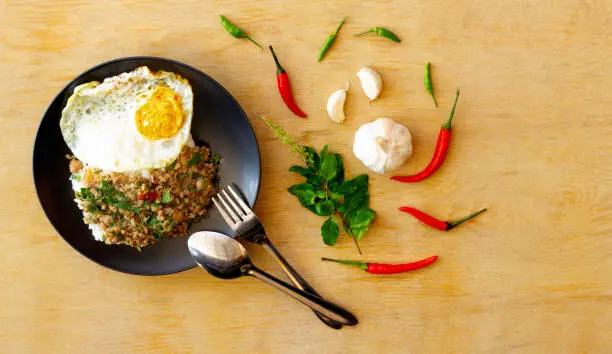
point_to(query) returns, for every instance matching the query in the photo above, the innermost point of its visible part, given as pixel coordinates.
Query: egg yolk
(161, 117)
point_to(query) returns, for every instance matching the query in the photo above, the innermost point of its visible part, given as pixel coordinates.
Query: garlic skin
(382, 145)
(335, 105)
(370, 82)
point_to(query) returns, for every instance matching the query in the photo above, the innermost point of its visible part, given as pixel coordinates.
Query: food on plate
(326, 193)
(428, 84)
(386, 268)
(383, 32)
(335, 105)
(136, 120)
(382, 145)
(136, 172)
(235, 31)
(141, 208)
(439, 224)
(329, 41)
(284, 87)
(371, 82)
(442, 147)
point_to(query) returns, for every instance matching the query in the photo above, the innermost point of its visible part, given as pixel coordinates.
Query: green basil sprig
(327, 193)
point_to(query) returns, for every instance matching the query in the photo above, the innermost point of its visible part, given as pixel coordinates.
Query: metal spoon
(226, 258)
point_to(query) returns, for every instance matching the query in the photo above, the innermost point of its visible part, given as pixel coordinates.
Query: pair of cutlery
(224, 257)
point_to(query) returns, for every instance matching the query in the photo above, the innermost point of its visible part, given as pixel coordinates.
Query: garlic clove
(335, 105)
(382, 145)
(371, 82)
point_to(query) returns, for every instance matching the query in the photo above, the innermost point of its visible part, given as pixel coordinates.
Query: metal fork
(243, 221)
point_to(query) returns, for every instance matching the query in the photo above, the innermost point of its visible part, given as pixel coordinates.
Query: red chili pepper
(150, 196)
(383, 268)
(284, 87)
(438, 224)
(442, 146)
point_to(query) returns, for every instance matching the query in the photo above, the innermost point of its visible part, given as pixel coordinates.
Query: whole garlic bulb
(382, 145)
(335, 105)
(370, 82)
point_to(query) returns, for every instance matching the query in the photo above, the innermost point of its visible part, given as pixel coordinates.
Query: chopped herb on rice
(113, 206)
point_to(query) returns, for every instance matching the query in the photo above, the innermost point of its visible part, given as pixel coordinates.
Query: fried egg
(133, 121)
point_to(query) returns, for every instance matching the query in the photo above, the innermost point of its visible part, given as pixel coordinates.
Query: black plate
(218, 122)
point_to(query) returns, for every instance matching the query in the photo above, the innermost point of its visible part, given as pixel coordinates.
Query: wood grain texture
(533, 142)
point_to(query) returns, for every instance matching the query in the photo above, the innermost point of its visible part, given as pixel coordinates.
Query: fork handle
(296, 279)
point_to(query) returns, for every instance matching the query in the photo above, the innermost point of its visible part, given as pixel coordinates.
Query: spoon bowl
(220, 258)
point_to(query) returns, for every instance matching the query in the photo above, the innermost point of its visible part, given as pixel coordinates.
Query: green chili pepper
(329, 41)
(383, 32)
(428, 85)
(235, 31)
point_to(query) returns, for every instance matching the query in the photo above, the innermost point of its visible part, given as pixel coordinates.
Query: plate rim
(112, 61)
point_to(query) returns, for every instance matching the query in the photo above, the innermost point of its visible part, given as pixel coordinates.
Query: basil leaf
(352, 185)
(359, 200)
(300, 170)
(339, 168)
(329, 166)
(320, 194)
(324, 208)
(156, 227)
(336, 196)
(305, 193)
(359, 232)
(166, 197)
(361, 218)
(310, 175)
(158, 235)
(329, 232)
(315, 180)
(195, 159)
(334, 187)
(361, 181)
(92, 208)
(300, 189)
(324, 152)
(87, 195)
(153, 221)
(347, 187)
(105, 186)
(311, 208)
(215, 159)
(124, 204)
(308, 200)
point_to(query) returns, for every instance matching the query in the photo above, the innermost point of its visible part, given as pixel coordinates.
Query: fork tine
(228, 209)
(228, 219)
(233, 204)
(240, 201)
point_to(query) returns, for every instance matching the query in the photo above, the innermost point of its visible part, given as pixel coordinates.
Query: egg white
(98, 122)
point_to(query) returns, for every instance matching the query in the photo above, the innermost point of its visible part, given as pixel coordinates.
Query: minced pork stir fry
(134, 210)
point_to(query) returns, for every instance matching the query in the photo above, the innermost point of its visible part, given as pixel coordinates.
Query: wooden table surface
(533, 142)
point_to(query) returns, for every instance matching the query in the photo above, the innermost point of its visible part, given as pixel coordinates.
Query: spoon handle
(316, 303)
(297, 279)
